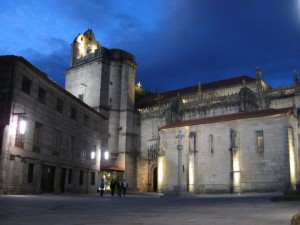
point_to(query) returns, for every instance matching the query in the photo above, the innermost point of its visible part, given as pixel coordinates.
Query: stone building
(244, 152)
(105, 80)
(235, 135)
(228, 136)
(59, 150)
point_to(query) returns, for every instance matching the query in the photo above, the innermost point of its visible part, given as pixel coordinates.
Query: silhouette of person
(112, 187)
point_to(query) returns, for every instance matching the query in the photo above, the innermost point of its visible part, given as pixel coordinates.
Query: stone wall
(86, 129)
(268, 170)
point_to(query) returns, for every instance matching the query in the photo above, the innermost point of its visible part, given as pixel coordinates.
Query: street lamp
(23, 124)
(106, 155)
(93, 155)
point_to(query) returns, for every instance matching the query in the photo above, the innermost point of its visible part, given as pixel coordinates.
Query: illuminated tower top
(84, 46)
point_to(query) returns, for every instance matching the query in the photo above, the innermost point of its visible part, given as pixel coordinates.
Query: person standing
(102, 186)
(112, 187)
(124, 187)
(119, 187)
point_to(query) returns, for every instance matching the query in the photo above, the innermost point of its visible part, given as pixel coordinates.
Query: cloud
(176, 43)
(210, 40)
(53, 64)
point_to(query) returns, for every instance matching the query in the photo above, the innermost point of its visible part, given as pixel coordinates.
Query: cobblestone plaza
(247, 209)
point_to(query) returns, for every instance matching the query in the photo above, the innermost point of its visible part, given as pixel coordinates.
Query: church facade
(230, 136)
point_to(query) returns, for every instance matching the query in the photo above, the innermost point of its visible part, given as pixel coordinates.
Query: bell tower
(84, 45)
(105, 80)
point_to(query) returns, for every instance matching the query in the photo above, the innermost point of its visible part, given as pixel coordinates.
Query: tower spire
(199, 91)
(296, 79)
(258, 73)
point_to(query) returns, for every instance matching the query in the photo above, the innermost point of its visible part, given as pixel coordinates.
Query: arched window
(155, 128)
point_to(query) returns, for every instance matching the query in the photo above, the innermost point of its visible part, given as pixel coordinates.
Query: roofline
(204, 85)
(209, 86)
(46, 78)
(230, 117)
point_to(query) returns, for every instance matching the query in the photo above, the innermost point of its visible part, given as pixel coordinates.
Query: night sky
(177, 43)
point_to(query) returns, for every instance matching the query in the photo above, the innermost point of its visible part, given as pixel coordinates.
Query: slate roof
(151, 99)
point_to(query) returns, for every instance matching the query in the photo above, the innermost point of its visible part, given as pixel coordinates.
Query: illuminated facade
(105, 80)
(59, 150)
(252, 151)
(221, 150)
(238, 135)
(230, 136)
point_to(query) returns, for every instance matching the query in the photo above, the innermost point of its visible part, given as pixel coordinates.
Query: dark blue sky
(177, 43)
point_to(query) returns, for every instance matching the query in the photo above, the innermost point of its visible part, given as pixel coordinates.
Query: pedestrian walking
(102, 185)
(112, 187)
(124, 186)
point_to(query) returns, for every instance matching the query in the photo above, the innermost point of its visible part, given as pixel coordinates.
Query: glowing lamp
(23, 124)
(106, 155)
(93, 155)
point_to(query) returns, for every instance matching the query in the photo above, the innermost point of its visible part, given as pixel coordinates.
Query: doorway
(154, 182)
(63, 172)
(47, 180)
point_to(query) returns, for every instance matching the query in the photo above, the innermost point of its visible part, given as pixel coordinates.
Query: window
(30, 173)
(93, 176)
(83, 150)
(291, 141)
(70, 176)
(73, 113)
(26, 85)
(153, 151)
(96, 125)
(37, 137)
(42, 95)
(83, 156)
(3, 95)
(155, 129)
(56, 142)
(20, 138)
(86, 120)
(235, 141)
(81, 97)
(59, 105)
(298, 142)
(93, 154)
(211, 143)
(71, 146)
(260, 141)
(298, 112)
(81, 177)
(192, 115)
(192, 141)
